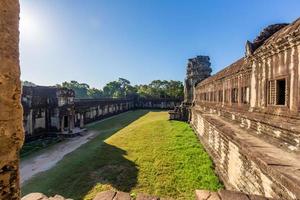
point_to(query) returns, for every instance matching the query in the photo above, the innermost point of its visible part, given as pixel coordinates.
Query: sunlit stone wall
(11, 128)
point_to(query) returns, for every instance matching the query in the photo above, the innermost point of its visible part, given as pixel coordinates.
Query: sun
(30, 26)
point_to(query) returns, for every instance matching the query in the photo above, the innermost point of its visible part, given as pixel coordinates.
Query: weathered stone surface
(256, 197)
(35, 196)
(57, 197)
(11, 128)
(202, 194)
(247, 116)
(214, 196)
(106, 195)
(226, 195)
(198, 69)
(206, 195)
(230, 195)
(40, 196)
(122, 196)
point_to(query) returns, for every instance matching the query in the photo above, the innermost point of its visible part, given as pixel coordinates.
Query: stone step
(287, 163)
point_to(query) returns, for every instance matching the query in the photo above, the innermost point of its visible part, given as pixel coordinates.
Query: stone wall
(150, 103)
(247, 116)
(49, 111)
(11, 129)
(90, 110)
(239, 164)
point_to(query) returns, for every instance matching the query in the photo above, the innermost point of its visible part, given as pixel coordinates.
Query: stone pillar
(11, 126)
(81, 121)
(71, 122)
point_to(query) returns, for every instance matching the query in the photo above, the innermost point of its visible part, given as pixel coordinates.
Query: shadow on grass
(93, 163)
(115, 170)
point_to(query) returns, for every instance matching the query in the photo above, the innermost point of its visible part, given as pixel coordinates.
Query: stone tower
(198, 69)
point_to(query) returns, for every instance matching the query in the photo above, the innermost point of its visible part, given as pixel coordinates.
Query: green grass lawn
(138, 151)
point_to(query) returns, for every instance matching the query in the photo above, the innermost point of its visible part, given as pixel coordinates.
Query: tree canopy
(122, 88)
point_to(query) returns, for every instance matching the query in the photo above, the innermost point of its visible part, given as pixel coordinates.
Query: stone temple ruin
(246, 116)
(198, 69)
(52, 111)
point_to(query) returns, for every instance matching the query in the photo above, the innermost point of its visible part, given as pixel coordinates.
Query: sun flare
(30, 27)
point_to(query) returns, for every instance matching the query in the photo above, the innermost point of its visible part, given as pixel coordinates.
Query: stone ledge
(226, 195)
(221, 141)
(40, 196)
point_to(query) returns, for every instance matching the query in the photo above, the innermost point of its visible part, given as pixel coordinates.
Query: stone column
(81, 121)
(11, 126)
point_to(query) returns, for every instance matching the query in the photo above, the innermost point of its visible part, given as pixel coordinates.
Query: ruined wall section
(11, 128)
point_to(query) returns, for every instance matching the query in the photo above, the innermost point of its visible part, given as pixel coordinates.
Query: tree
(174, 89)
(112, 89)
(119, 89)
(161, 89)
(143, 90)
(80, 89)
(27, 83)
(123, 89)
(94, 93)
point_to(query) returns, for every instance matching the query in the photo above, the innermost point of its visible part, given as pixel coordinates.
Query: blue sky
(97, 41)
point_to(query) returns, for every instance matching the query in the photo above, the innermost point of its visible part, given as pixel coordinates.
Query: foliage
(119, 89)
(94, 93)
(122, 88)
(161, 89)
(136, 152)
(27, 83)
(80, 89)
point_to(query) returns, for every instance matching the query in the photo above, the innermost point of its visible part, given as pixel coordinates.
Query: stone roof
(226, 72)
(47, 91)
(290, 29)
(270, 35)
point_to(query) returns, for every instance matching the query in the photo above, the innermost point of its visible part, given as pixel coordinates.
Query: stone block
(202, 194)
(122, 196)
(35, 196)
(231, 195)
(206, 195)
(256, 197)
(106, 195)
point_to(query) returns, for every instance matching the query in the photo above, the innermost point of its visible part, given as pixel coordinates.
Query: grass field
(138, 151)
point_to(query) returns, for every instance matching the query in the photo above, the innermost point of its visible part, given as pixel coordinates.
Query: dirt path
(46, 159)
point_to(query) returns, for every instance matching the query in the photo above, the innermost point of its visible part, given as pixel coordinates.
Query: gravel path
(48, 158)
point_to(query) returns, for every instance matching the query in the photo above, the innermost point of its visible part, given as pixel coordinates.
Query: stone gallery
(246, 116)
(53, 110)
